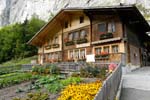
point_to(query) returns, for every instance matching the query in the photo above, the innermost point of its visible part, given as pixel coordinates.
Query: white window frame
(115, 48)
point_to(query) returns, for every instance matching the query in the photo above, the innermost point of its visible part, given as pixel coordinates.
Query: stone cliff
(12, 11)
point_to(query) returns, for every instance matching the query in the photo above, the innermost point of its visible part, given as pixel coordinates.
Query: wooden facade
(106, 32)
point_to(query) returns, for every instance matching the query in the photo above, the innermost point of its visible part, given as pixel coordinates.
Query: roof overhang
(128, 14)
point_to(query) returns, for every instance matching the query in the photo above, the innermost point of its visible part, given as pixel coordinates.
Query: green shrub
(93, 72)
(54, 69)
(71, 80)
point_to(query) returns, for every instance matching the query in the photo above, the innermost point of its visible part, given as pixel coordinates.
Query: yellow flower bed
(84, 91)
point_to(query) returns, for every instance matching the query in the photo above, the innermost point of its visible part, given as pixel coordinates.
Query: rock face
(12, 11)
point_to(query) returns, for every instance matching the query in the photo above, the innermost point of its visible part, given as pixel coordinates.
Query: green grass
(19, 61)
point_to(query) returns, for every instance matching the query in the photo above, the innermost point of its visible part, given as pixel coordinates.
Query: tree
(14, 38)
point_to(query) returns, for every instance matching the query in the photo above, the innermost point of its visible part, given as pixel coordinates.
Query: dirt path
(10, 92)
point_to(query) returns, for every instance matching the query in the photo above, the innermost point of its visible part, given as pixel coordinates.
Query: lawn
(19, 61)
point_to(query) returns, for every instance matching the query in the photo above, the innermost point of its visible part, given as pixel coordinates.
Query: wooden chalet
(112, 33)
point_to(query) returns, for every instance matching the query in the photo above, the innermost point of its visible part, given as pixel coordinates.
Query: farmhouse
(113, 33)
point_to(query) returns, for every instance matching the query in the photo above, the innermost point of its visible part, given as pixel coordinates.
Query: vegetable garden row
(48, 80)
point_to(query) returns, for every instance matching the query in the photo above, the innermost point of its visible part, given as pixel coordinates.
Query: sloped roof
(128, 14)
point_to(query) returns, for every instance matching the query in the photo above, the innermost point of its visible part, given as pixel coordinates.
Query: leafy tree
(13, 39)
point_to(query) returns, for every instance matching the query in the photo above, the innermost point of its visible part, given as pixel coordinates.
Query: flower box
(102, 55)
(68, 43)
(80, 41)
(55, 46)
(48, 47)
(82, 59)
(106, 36)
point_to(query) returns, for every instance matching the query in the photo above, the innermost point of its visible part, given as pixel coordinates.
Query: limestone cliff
(12, 11)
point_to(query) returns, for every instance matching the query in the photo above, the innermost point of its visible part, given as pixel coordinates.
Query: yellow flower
(80, 92)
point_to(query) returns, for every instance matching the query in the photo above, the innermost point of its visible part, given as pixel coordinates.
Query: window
(82, 34)
(76, 35)
(81, 19)
(50, 41)
(55, 55)
(76, 54)
(98, 50)
(111, 27)
(71, 54)
(106, 49)
(50, 56)
(106, 27)
(56, 40)
(115, 49)
(102, 27)
(82, 53)
(66, 24)
(70, 36)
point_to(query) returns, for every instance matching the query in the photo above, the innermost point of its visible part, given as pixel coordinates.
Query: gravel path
(136, 85)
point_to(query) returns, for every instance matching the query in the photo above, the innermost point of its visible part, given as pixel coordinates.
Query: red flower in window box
(101, 32)
(66, 40)
(104, 53)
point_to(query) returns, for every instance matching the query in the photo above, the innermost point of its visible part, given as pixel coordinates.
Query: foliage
(54, 69)
(70, 80)
(89, 72)
(102, 73)
(80, 91)
(19, 61)
(14, 38)
(51, 69)
(14, 79)
(35, 96)
(9, 69)
(93, 72)
(143, 10)
(8, 75)
(54, 87)
(54, 83)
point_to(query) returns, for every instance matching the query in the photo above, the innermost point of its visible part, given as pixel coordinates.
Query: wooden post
(42, 58)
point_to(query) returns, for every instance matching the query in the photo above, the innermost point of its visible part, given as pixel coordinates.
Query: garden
(49, 83)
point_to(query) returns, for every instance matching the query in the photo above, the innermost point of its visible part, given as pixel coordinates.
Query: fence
(110, 85)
